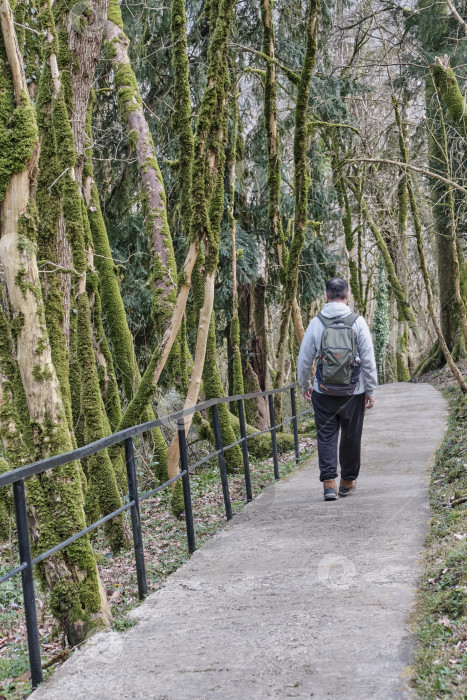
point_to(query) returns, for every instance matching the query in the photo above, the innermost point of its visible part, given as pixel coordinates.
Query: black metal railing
(381, 373)
(17, 477)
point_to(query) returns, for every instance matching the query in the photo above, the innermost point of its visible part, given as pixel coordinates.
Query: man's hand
(307, 394)
(369, 401)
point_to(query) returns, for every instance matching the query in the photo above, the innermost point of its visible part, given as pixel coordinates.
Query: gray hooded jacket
(312, 342)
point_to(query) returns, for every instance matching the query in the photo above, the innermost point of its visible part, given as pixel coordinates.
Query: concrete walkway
(296, 597)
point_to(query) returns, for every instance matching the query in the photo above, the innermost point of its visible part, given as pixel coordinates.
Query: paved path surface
(296, 597)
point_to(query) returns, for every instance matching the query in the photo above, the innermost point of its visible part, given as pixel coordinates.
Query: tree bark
(88, 404)
(207, 202)
(164, 273)
(300, 193)
(426, 278)
(76, 596)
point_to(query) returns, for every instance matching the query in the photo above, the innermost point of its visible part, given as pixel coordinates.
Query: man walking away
(344, 384)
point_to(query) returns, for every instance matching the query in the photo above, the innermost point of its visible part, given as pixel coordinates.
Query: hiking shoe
(330, 490)
(346, 488)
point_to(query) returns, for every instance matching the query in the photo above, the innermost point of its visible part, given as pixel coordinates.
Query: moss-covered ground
(440, 666)
(165, 550)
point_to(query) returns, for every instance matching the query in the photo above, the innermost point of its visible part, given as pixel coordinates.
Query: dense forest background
(176, 185)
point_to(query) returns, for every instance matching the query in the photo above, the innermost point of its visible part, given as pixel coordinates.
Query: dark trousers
(332, 413)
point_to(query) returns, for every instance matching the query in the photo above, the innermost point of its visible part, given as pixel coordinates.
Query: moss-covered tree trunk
(272, 136)
(207, 202)
(450, 204)
(80, 39)
(396, 286)
(238, 386)
(76, 596)
(163, 276)
(347, 224)
(430, 16)
(256, 365)
(88, 406)
(167, 308)
(300, 195)
(402, 342)
(449, 307)
(429, 291)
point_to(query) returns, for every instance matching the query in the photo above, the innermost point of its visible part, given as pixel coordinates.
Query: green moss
(15, 426)
(213, 389)
(107, 379)
(111, 299)
(448, 87)
(18, 128)
(110, 49)
(403, 372)
(177, 503)
(128, 96)
(270, 115)
(64, 602)
(181, 119)
(301, 185)
(6, 506)
(100, 470)
(237, 369)
(132, 139)
(163, 277)
(209, 127)
(261, 446)
(114, 14)
(41, 374)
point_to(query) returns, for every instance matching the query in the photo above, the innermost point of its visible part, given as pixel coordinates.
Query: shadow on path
(295, 597)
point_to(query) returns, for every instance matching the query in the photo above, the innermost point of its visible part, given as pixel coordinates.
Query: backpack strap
(347, 321)
(350, 319)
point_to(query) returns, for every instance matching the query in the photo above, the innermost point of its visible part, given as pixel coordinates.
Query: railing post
(221, 457)
(273, 437)
(190, 529)
(246, 461)
(135, 518)
(295, 424)
(27, 577)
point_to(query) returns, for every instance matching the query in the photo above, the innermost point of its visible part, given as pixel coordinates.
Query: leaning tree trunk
(76, 596)
(396, 286)
(164, 273)
(182, 124)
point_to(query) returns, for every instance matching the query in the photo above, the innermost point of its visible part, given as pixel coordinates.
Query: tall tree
(76, 596)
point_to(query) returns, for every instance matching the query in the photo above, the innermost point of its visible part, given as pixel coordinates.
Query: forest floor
(164, 539)
(440, 668)
(295, 597)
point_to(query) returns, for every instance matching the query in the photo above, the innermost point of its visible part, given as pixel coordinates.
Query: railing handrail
(44, 465)
(16, 477)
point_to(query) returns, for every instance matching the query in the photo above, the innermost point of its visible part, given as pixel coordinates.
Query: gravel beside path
(295, 597)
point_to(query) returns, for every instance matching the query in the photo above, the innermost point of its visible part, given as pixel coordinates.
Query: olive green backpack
(338, 362)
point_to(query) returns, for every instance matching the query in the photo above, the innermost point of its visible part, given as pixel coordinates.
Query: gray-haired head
(337, 289)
